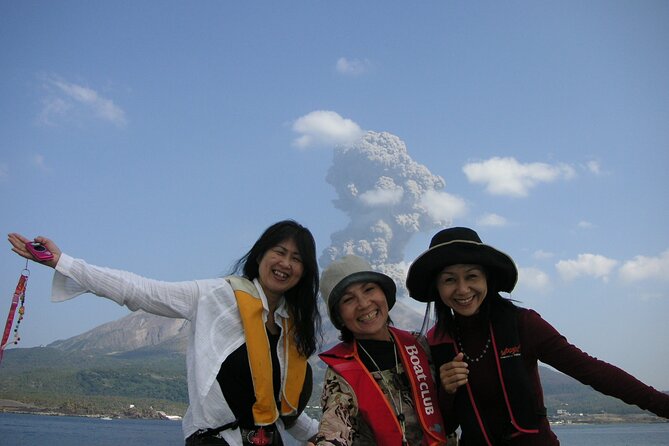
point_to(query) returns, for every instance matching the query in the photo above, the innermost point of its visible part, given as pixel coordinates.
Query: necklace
(399, 412)
(469, 358)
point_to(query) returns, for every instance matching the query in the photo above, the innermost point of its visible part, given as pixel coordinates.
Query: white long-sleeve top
(215, 332)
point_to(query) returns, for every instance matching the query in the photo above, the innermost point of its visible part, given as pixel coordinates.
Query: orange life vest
(265, 411)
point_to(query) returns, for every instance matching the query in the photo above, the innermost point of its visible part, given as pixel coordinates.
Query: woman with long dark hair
(486, 348)
(250, 333)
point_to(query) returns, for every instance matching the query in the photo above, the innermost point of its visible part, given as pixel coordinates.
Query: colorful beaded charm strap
(18, 300)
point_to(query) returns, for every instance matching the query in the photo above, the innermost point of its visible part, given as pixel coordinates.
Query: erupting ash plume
(388, 198)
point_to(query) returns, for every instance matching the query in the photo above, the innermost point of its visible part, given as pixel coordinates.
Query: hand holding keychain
(41, 250)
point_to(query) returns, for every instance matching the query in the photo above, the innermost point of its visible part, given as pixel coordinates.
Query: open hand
(19, 246)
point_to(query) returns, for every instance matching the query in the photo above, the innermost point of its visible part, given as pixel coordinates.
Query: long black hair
(301, 299)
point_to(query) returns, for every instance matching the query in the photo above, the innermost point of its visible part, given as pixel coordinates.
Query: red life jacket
(518, 395)
(374, 406)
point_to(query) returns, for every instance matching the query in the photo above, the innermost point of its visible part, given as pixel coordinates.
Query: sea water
(654, 434)
(32, 430)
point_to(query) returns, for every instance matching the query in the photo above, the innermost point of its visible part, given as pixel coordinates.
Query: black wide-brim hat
(458, 245)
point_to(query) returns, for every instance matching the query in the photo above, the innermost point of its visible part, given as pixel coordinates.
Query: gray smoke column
(383, 192)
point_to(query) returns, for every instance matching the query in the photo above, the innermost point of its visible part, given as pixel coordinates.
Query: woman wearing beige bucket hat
(379, 387)
(486, 348)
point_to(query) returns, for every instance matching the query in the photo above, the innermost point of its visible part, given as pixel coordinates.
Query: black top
(383, 353)
(236, 383)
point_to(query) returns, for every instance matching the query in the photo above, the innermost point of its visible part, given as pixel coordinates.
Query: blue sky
(163, 137)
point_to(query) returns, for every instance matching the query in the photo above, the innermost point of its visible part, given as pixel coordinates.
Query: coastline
(19, 407)
(607, 418)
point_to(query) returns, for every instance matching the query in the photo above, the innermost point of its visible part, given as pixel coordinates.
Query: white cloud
(533, 278)
(506, 176)
(541, 254)
(53, 108)
(325, 128)
(492, 220)
(442, 206)
(593, 265)
(594, 167)
(352, 67)
(585, 224)
(643, 268)
(69, 98)
(4, 172)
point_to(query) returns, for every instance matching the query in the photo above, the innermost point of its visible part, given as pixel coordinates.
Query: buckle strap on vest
(213, 432)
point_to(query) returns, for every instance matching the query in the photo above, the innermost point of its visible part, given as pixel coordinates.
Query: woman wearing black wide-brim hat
(487, 348)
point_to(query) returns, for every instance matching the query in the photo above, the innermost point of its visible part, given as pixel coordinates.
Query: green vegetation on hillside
(151, 380)
(86, 384)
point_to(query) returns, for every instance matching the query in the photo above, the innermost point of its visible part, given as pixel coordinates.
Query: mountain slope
(147, 332)
(140, 360)
(135, 331)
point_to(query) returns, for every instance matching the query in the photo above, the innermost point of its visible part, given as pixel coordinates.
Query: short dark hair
(301, 299)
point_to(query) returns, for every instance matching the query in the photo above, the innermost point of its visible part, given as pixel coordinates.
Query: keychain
(18, 300)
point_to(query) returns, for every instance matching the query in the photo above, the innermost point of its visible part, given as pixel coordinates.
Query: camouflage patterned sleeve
(340, 408)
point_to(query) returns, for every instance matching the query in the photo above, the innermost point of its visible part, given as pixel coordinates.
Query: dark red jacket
(539, 341)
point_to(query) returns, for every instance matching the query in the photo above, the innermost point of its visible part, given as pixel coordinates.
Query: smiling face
(280, 269)
(363, 310)
(463, 288)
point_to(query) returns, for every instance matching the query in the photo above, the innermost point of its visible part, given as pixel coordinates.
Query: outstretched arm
(551, 348)
(74, 277)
